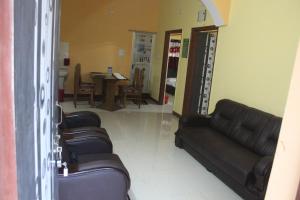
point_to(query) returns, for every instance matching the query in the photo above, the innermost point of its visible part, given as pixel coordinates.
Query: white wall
(285, 174)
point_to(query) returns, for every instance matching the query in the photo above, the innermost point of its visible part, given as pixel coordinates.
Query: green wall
(255, 52)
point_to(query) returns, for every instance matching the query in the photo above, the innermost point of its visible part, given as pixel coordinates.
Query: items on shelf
(174, 49)
(143, 48)
(141, 56)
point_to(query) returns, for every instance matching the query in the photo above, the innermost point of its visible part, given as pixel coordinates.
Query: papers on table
(119, 76)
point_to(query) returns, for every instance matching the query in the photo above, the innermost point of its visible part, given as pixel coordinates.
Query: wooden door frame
(165, 64)
(191, 67)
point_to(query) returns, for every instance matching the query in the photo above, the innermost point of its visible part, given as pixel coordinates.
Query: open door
(164, 68)
(35, 82)
(48, 150)
(200, 70)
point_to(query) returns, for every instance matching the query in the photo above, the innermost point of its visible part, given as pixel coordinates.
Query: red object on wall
(166, 99)
(66, 61)
(8, 168)
(61, 94)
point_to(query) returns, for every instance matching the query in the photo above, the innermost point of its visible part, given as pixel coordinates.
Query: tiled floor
(144, 139)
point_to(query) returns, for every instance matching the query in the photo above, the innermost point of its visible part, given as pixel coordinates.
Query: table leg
(109, 103)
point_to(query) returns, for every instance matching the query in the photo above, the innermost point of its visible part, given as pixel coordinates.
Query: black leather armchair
(81, 134)
(80, 119)
(93, 177)
(79, 123)
(88, 143)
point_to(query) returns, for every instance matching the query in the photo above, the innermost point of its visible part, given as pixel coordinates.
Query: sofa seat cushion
(229, 156)
(92, 157)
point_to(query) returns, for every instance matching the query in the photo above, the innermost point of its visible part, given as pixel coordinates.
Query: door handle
(57, 150)
(58, 156)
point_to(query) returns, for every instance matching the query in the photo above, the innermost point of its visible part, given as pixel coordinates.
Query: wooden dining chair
(82, 87)
(135, 90)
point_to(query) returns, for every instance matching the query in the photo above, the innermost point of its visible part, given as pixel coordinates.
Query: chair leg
(75, 99)
(92, 102)
(124, 100)
(140, 100)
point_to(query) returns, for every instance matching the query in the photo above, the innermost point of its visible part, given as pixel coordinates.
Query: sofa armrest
(88, 143)
(105, 178)
(80, 119)
(70, 133)
(194, 121)
(262, 170)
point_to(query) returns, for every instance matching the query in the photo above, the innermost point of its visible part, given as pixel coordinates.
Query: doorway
(200, 70)
(169, 70)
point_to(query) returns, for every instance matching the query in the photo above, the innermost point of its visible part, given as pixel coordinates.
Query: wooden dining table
(110, 81)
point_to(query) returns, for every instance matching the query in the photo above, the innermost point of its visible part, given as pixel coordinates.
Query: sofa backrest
(250, 127)
(225, 114)
(266, 143)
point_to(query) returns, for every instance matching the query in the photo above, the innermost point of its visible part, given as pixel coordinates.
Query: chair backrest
(77, 78)
(138, 79)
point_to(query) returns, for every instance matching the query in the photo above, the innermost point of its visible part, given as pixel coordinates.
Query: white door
(46, 37)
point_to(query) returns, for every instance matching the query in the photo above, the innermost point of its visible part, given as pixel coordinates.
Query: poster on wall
(185, 48)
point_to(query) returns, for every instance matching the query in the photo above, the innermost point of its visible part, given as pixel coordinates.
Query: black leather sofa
(236, 143)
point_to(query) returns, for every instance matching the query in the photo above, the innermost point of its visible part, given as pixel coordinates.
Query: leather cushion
(94, 157)
(80, 119)
(231, 157)
(267, 141)
(85, 129)
(249, 127)
(225, 114)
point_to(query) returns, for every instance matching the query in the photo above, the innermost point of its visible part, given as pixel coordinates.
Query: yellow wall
(255, 51)
(174, 14)
(96, 30)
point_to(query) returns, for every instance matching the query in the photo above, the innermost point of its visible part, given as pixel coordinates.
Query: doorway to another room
(200, 70)
(171, 57)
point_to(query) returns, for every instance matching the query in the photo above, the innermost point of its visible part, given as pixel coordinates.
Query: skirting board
(157, 102)
(176, 114)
